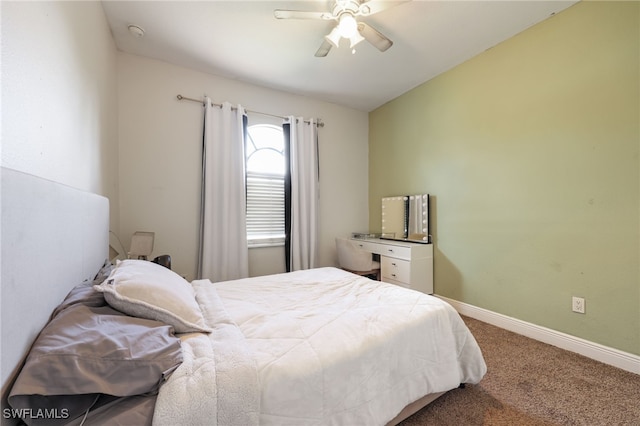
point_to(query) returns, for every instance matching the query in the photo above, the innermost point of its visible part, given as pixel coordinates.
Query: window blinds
(265, 208)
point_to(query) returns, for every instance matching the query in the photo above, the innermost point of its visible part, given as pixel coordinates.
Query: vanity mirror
(406, 217)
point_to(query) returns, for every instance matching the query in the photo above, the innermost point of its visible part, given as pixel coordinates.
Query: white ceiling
(242, 40)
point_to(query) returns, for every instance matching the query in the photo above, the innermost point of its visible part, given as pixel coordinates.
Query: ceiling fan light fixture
(345, 12)
(347, 25)
(355, 39)
(333, 37)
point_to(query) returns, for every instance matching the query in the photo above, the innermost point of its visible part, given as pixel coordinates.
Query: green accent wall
(530, 152)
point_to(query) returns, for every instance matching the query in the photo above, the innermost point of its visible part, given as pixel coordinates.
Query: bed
(331, 347)
(315, 347)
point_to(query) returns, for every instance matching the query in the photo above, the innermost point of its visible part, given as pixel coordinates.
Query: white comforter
(327, 346)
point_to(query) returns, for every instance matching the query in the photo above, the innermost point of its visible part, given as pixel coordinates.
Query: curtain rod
(184, 98)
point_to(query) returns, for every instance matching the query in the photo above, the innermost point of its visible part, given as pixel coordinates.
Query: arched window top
(265, 149)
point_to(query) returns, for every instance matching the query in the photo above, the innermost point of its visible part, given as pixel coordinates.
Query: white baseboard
(605, 354)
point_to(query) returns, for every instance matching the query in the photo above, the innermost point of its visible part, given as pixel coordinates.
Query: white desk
(403, 263)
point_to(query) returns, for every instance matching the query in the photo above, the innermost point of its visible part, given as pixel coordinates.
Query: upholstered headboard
(53, 238)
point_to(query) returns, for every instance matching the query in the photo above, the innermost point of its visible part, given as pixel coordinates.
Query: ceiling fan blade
(374, 37)
(324, 49)
(301, 14)
(369, 7)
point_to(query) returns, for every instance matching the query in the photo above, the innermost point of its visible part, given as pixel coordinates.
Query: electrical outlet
(577, 304)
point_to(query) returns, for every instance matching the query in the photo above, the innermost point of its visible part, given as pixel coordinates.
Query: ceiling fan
(344, 12)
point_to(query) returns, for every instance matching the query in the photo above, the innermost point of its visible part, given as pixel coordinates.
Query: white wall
(59, 122)
(160, 142)
(59, 116)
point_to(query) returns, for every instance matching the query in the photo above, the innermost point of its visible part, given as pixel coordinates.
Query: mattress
(315, 347)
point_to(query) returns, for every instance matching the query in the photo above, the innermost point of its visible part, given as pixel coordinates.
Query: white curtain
(223, 241)
(305, 193)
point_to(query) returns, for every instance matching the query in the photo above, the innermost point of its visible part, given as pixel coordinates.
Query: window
(265, 185)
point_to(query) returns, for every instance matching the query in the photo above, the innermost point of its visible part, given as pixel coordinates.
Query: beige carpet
(531, 383)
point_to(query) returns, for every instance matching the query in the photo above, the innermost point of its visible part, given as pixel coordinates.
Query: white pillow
(147, 290)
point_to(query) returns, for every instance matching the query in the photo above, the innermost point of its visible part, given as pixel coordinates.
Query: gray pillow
(85, 293)
(86, 351)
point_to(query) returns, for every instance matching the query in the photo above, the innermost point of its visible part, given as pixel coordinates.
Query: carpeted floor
(532, 383)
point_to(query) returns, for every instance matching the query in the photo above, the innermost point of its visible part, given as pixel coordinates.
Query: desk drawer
(395, 251)
(395, 269)
(366, 245)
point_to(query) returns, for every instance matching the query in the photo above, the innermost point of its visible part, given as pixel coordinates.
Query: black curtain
(286, 129)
